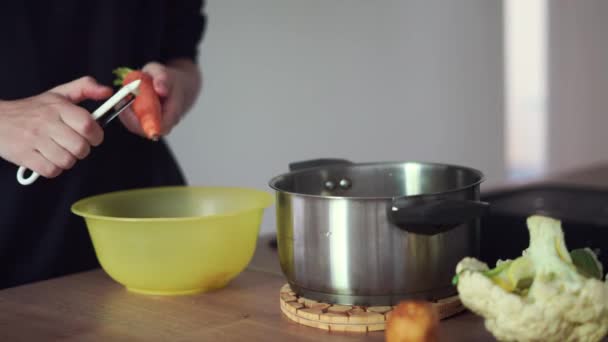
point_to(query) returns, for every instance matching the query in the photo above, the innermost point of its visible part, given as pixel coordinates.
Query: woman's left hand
(177, 84)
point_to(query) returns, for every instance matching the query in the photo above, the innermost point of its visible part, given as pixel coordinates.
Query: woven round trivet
(346, 317)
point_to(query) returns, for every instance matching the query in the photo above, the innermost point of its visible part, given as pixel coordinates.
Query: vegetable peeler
(119, 102)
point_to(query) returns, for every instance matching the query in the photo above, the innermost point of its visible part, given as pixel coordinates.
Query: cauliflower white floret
(542, 295)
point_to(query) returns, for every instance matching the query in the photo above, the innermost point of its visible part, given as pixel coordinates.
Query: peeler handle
(124, 92)
(26, 180)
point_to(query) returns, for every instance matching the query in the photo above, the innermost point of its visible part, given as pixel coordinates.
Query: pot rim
(478, 173)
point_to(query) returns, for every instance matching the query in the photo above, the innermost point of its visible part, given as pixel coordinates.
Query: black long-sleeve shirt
(47, 43)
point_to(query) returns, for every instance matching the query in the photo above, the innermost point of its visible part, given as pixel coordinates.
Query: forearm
(191, 77)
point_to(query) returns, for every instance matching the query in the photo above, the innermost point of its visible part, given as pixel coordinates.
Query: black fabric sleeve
(186, 25)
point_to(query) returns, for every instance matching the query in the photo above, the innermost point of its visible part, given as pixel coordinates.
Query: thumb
(160, 77)
(84, 88)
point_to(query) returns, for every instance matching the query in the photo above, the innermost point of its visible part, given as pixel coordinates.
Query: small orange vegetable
(146, 106)
(412, 321)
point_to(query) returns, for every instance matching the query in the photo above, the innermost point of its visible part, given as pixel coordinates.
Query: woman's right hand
(48, 133)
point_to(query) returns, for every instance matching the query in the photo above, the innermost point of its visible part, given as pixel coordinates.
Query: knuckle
(99, 138)
(155, 67)
(82, 149)
(88, 127)
(67, 162)
(90, 130)
(49, 170)
(30, 134)
(88, 79)
(153, 64)
(162, 72)
(55, 171)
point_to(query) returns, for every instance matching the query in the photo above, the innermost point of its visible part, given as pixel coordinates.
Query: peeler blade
(120, 107)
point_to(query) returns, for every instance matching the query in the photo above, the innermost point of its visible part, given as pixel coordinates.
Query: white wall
(525, 26)
(578, 83)
(288, 80)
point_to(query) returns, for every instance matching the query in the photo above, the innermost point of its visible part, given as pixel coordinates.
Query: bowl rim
(76, 207)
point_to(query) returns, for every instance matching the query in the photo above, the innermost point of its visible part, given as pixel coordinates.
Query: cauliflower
(547, 294)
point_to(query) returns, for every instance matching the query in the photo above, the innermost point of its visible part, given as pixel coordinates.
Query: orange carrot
(146, 106)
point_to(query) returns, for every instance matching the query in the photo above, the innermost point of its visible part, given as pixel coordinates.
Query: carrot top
(121, 73)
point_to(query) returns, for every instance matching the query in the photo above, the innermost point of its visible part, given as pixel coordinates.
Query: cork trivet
(286, 288)
(310, 314)
(347, 318)
(293, 307)
(330, 317)
(339, 308)
(320, 306)
(365, 318)
(355, 310)
(288, 298)
(380, 309)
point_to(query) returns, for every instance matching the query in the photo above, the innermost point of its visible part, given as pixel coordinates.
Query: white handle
(26, 181)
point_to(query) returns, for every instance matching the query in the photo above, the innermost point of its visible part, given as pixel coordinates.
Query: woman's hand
(177, 84)
(48, 133)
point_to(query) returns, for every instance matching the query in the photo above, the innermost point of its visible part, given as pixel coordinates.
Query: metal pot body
(339, 240)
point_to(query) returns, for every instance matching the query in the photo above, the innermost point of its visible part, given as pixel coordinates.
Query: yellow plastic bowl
(174, 240)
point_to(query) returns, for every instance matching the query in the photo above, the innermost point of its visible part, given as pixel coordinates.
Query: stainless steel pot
(375, 233)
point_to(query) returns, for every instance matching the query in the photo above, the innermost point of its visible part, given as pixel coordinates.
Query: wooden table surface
(91, 307)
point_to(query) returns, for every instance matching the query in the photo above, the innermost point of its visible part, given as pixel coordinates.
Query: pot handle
(305, 164)
(431, 216)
